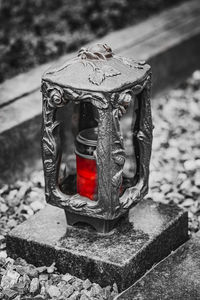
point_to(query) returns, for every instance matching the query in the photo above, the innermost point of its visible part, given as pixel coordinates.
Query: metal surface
(98, 70)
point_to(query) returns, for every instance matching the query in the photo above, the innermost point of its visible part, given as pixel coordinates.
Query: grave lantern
(103, 88)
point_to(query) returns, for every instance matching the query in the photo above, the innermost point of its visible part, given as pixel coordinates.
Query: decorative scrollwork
(110, 154)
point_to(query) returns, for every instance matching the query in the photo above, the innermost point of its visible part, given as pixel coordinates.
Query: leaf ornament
(99, 102)
(110, 71)
(78, 203)
(97, 76)
(127, 61)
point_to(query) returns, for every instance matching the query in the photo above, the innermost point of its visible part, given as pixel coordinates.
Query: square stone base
(152, 231)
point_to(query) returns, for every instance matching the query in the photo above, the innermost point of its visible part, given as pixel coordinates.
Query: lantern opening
(78, 169)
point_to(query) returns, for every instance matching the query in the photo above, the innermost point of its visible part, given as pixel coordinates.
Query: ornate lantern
(101, 87)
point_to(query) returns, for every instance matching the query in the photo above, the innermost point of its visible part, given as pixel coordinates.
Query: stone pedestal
(150, 233)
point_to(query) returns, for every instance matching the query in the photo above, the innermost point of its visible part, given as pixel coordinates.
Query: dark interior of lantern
(75, 119)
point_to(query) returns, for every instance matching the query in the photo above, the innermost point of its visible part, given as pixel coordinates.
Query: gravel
(175, 164)
(174, 178)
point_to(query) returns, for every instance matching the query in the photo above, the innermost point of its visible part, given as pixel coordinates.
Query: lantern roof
(97, 68)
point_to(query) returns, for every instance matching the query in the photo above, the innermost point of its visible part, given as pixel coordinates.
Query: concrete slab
(152, 231)
(177, 277)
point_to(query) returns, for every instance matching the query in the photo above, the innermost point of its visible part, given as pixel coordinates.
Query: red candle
(86, 142)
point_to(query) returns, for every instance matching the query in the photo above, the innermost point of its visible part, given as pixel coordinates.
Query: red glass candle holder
(86, 142)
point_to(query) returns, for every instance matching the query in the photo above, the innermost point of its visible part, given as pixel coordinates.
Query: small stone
(12, 223)
(41, 269)
(39, 297)
(190, 165)
(32, 271)
(53, 291)
(11, 195)
(186, 185)
(197, 179)
(67, 291)
(84, 297)
(61, 285)
(67, 277)
(3, 207)
(9, 279)
(3, 246)
(23, 283)
(9, 294)
(21, 269)
(113, 295)
(115, 288)
(32, 197)
(26, 210)
(20, 261)
(3, 254)
(18, 298)
(187, 202)
(75, 296)
(9, 261)
(77, 285)
(51, 268)
(37, 205)
(20, 288)
(87, 284)
(2, 238)
(38, 178)
(156, 196)
(166, 188)
(23, 190)
(107, 292)
(98, 289)
(34, 286)
(4, 189)
(43, 277)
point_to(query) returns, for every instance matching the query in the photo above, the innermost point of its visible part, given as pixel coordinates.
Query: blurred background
(36, 31)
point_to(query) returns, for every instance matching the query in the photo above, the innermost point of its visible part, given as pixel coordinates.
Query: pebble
(41, 269)
(75, 296)
(53, 291)
(67, 291)
(115, 288)
(187, 202)
(197, 179)
(166, 188)
(87, 284)
(51, 268)
(31, 271)
(34, 286)
(67, 277)
(3, 207)
(9, 294)
(37, 205)
(190, 165)
(9, 279)
(84, 297)
(43, 277)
